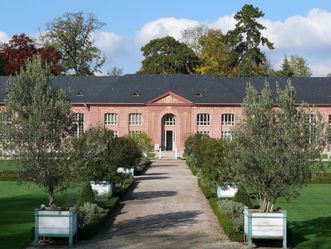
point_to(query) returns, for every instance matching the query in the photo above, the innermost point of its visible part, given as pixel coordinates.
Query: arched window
(169, 120)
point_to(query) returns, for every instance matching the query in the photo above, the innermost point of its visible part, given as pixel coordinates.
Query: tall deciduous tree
(276, 149)
(214, 54)
(39, 123)
(168, 56)
(71, 34)
(15, 54)
(244, 41)
(191, 37)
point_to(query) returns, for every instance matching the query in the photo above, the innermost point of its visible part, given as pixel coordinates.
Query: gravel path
(165, 210)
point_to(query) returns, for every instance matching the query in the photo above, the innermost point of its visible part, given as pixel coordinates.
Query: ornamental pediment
(169, 98)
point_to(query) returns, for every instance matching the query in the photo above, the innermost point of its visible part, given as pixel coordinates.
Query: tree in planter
(39, 125)
(276, 149)
(210, 156)
(143, 141)
(91, 156)
(125, 152)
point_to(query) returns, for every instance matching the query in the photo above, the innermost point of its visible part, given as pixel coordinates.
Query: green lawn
(17, 204)
(310, 217)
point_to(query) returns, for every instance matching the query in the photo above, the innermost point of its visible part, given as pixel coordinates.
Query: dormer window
(135, 94)
(80, 93)
(199, 94)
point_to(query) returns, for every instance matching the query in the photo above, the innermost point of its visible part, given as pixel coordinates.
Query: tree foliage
(125, 152)
(115, 71)
(91, 156)
(276, 149)
(15, 54)
(210, 157)
(191, 37)
(286, 69)
(39, 117)
(168, 56)
(214, 54)
(143, 141)
(299, 66)
(245, 40)
(71, 34)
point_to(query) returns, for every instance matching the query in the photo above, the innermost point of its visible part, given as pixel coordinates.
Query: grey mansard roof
(214, 90)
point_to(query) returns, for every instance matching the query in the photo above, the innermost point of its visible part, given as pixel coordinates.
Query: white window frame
(110, 118)
(204, 133)
(228, 119)
(135, 119)
(169, 120)
(203, 119)
(227, 135)
(78, 121)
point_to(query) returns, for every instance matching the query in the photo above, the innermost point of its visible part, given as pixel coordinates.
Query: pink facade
(167, 136)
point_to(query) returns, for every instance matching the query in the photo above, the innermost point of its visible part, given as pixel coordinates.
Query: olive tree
(39, 117)
(277, 145)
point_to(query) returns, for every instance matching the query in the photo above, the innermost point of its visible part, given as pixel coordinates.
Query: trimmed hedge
(8, 175)
(322, 178)
(207, 192)
(242, 197)
(225, 221)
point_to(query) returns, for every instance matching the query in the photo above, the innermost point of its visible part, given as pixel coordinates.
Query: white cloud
(163, 27)
(112, 46)
(308, 36)
(4, 37)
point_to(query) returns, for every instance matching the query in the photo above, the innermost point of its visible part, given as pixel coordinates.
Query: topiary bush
(242, 197)
(87, 195)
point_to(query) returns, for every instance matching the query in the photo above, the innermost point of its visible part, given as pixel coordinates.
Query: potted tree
(276, 151)
(126, 154)
(91, 159)
(39, 120)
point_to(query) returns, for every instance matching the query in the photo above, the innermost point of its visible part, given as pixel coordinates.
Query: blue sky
(296, 27)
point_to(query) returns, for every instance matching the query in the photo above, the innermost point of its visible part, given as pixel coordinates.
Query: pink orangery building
(171, 107)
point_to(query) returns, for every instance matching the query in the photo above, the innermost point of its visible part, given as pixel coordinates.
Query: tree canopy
(38, 125)
(214, 54)
(244, 41)
(71, 35)
(168, 56)
(277, 150)
(15, 54)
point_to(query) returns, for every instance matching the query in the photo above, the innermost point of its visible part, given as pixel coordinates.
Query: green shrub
(151, 154)
(87, 212)
(242, 197)
(87, 195)
(235, 211)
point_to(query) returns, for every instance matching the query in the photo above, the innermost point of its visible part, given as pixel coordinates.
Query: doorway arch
(168, 131)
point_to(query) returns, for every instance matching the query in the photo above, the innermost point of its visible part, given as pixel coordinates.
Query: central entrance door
(169, 140)
(169, 132)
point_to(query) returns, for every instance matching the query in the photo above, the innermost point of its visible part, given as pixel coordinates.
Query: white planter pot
(55, 224)
(259, 225)
(102, 187)
(129, 171)
(226, 191)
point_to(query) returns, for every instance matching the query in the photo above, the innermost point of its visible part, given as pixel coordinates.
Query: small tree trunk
(51, 197)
